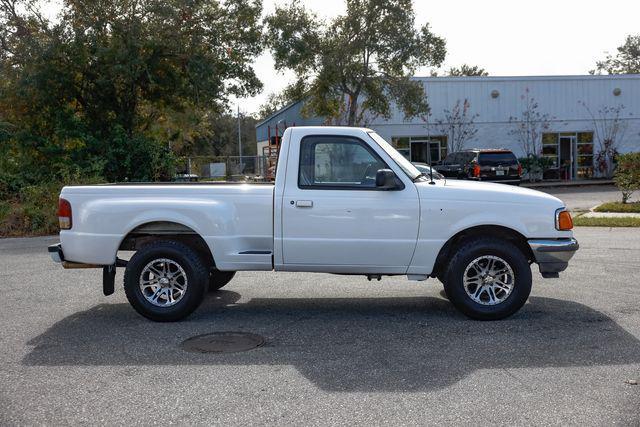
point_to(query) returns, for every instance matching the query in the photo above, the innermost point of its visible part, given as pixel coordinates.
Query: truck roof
(330, 129)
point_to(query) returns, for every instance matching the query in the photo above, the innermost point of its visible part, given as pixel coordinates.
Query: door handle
(304, 204)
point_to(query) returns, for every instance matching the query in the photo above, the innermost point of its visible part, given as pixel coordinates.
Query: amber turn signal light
(564, 221)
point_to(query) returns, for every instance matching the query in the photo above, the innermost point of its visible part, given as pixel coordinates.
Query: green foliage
(627, 175)
(351, 68)
(32, 212)
(463, 70)
(276, 101)
(5, 209)
(619, 207)
(109, 85)
(626, 61)
(113, 90)
(534, 166)
(32, 209)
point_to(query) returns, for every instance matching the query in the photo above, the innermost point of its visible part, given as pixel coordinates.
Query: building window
(416, 148)
(571, 153)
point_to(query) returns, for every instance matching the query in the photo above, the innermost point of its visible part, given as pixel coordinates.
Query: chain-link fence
(227, 168)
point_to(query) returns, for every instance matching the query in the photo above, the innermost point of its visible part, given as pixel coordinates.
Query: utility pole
(239, 140)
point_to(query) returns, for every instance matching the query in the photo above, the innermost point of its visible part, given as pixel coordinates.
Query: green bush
(33, 210)
(5, 208)
(627, 175)
(534, 166)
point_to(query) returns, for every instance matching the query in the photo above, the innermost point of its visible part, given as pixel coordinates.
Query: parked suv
(489, 164)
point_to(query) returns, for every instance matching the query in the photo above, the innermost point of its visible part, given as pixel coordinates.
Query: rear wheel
(165, 281)
(217, 279)
(488, 279)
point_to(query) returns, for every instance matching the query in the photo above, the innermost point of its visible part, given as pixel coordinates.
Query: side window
(337, 162)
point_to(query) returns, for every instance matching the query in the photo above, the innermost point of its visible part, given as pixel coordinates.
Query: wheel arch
(494, 231)
(148, 232)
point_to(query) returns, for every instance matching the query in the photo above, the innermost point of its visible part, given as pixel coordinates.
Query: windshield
(400, 160)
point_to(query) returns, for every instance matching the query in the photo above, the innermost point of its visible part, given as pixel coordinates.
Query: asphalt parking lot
(586, 197)
(339, 349)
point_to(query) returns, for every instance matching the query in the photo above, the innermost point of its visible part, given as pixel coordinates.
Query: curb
(566, 184)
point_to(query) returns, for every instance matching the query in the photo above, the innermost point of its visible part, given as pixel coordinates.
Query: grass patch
(606, 222)
(619, 207)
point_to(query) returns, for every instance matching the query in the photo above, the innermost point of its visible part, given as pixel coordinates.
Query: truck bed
(234, 219)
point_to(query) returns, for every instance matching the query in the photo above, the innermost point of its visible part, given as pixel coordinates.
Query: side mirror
(386, 180)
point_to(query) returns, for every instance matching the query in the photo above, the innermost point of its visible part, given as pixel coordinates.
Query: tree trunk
(353, 110)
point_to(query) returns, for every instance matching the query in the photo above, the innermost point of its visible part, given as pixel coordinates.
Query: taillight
(476, 170)
(564, 222)
(519, 169)
(64, 214)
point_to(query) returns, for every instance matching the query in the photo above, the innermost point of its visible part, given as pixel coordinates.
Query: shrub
(33, 210)
(627, 176)
(534, 166)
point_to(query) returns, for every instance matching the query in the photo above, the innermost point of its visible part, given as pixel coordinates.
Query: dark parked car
(487, 164)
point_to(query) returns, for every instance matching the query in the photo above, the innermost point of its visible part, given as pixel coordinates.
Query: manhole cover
(222, 342)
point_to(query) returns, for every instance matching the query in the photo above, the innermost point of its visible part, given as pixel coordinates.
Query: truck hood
(469, 191)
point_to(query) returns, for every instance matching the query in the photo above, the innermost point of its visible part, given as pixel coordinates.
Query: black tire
(217, 279)
(192, 265)
(471, 250)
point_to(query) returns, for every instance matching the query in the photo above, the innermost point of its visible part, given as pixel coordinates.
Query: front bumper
(553, 255)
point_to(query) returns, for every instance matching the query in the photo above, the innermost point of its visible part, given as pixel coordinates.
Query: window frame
(358, 141)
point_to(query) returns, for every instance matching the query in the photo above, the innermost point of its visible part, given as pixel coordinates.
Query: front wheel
(165, 281)
(488, 279)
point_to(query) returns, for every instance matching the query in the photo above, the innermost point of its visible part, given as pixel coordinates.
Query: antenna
(429, 151)
(429, 160)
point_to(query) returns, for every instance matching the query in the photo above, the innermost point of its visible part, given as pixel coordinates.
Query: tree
(627, 60)
(115, 77)
(458, 124)
(352, 67)
(529, 126)
(277, 101)
(627, 176)
(609, 129)
(464, 70)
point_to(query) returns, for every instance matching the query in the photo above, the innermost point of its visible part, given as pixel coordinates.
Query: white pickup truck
(344, 201)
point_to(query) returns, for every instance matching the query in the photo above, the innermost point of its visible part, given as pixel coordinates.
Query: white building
(571, 140)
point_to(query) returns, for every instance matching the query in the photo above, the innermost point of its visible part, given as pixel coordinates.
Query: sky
(507, 38)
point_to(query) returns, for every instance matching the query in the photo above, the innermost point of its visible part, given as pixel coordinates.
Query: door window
(337, 162)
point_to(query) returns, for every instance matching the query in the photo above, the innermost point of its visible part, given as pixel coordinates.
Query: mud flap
(108, 279)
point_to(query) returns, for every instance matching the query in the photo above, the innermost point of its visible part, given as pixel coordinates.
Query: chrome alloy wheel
(488, 280)
(163, 282)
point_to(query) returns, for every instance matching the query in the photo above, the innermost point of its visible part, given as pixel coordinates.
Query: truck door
(334, 218)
